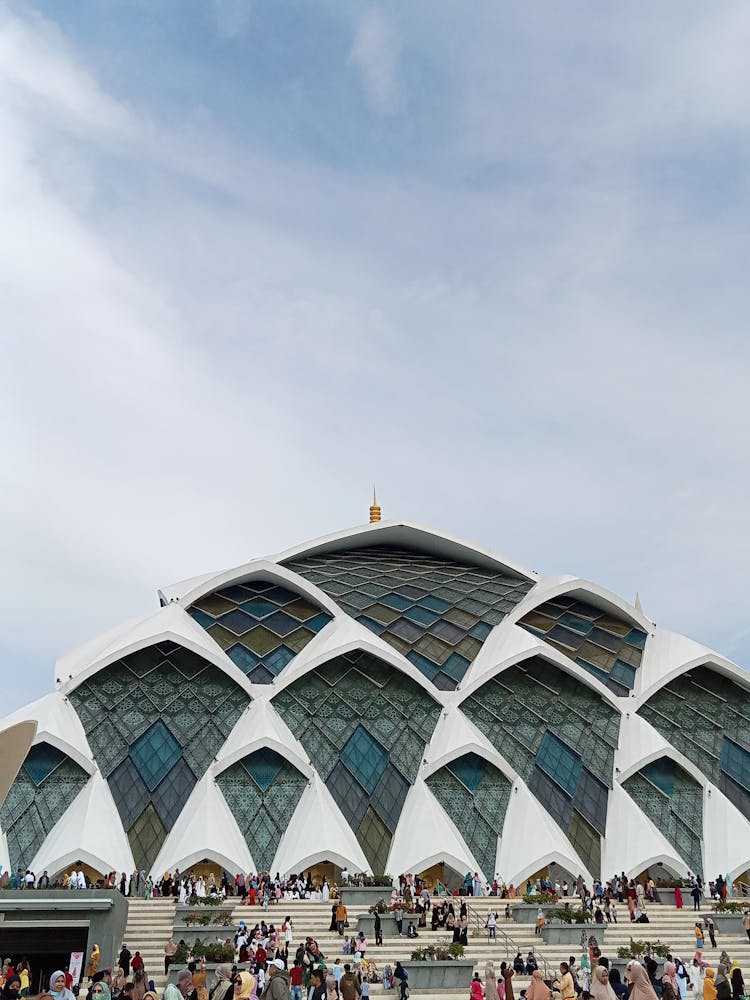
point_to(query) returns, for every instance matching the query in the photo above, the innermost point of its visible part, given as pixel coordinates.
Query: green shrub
(727, 907)
(637, 949)
(441, 951)
(213, 952)
(540, 898)
(567, 915)
(380, 907)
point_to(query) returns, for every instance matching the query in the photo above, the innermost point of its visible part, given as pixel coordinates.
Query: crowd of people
(266, 964)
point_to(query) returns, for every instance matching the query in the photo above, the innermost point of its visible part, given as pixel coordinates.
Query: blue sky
(256, 255)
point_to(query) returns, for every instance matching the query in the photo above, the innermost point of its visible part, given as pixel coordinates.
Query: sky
(257, 255)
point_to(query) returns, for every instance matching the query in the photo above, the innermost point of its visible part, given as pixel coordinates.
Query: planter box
(571, 934)
(210, 931)
(366, 895)
(174, 971)
(440, 975)
(666, 896)
(526, 912)
(726, 923)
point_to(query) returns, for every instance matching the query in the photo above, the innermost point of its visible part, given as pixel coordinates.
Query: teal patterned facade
(155, 720)
(435, 611)
(475, 795)
(364, 725)
(706, 716)
(262, 791)
(673, 801)
(560, 736)
(46, 785)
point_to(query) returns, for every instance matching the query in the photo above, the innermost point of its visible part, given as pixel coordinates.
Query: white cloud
(375, 53)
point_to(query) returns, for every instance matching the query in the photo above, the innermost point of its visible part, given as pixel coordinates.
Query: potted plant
(568, 926)
(368, 891)
(439, 966)
(727, 916)
(526, 912)
(639, 950)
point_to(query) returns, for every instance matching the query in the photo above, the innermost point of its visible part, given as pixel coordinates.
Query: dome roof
(377, 675)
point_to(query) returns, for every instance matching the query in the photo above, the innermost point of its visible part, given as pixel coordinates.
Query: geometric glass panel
(233, 617)
(706, 716)
(607, 646)
(365, 758)
(41, 761)
(146, 837)
(263, 766)
(155, 753)
(561, 763)
(439, 599)
(262, 808)
(365, 725)
(31, 810)
(469, 769)
(174, 711)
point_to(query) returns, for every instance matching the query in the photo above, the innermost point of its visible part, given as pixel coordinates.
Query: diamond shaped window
(365, 758)
(155, 753)
(263, 766)
(42, 760)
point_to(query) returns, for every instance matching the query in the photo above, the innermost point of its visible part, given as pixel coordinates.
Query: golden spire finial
(374, 509)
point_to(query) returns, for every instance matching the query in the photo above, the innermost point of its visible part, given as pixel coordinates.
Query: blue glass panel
(574, 622)
(365, 758)
(376, 627)
(396, 601)
(434, 604)
(469, 770)
(623, 673)
(636, 638)
(263, 766)
(456, 666)
(245, 659)
(258, 608)
(277, 660)
(735, 761)
(427, 667)
(601, 675)
(281, 623)
(41, 761)
(318, 622)
(234, 593)
(561, 763)
(480, 631)
(280, 595)
(421, 615)
(155, 753)
(661, 773)
(237, 621)
(201, 617)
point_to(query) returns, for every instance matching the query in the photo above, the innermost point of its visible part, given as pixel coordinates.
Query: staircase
(150, 925)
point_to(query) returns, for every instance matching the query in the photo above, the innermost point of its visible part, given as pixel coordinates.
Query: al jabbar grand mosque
(388, 699)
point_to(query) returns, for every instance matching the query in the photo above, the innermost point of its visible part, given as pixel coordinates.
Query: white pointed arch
(426, 835)
(705, 658)
(259, 726)
(260, 570)
(582, 590)
(632, 842)
(205, 820)
(57, 724)
(456, 735)
(318, 831)
(552, 656)
(408, 535)
(168, 624)
(89, 830)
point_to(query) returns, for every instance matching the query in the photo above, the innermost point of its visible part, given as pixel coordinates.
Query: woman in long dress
(326, 892)
(490, 982)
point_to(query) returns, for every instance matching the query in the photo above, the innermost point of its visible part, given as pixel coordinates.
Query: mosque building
(389, 699)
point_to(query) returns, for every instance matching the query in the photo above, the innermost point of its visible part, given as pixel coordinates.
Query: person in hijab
(641, 984)
(724, 959)
(669, 988)
(618, 986)
(101, 991)
(139, 985)
(11, 988)
(723, 986)
(709, 986)
(736, 980)
(244, 986)
(600, 985)
(490, 982)
(93, 962)
(57, 988)
(222, 986)
(537, 989)
(506, 971)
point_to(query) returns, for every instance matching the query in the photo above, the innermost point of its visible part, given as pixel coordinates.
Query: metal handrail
(480, 929)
